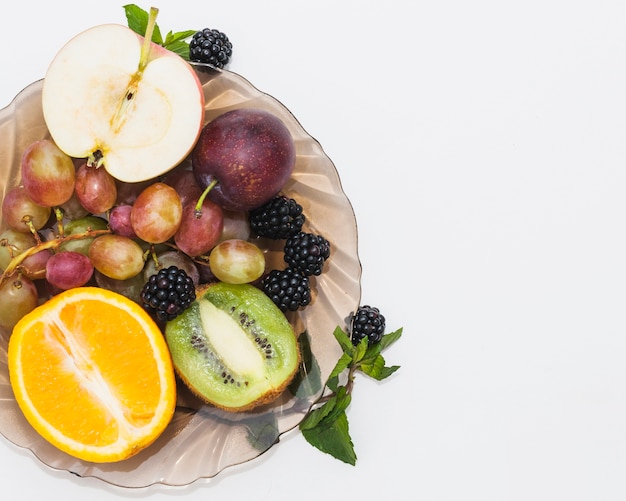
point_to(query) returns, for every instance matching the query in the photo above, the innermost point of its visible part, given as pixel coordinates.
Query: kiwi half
(233, 347)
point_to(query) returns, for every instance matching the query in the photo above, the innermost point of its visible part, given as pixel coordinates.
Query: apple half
(123, 103)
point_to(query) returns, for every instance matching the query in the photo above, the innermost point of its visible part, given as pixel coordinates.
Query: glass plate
(201, 441)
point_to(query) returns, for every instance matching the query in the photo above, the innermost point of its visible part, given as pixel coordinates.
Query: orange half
(92, 374)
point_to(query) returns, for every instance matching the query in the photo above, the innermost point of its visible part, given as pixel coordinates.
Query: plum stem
(198, 209)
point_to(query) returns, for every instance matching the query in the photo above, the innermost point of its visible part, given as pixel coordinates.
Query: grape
(156, 213)
(13, 243)
(116, 256)
(34, 266)
(18, 296)
(199, 232)
(172, 258)
(78, 226)
(237, 261)
(131, 287)
(119, 220)
(236, 225)
(127, 193)
(18, 209)
(73, 209)
(95, 188)
(66, 270)
(48, 174)
(184, 182)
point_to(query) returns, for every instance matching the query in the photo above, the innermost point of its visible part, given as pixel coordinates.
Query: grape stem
(16, 261)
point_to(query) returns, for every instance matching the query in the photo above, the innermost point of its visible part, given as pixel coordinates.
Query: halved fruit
(92, 374)
(233, 347)
(121, 102)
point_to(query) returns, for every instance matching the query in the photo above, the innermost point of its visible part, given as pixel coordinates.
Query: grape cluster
(69, 224)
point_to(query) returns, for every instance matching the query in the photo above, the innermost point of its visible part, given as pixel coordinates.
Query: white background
(482, 145)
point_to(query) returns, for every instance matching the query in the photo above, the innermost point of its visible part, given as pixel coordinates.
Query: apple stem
(198, 210)
(147, 41)
(144, 57)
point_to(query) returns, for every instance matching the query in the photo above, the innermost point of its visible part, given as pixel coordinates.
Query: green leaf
(390, 338)
(180, 48)
(333, 438)
(137, 19)
(373, 367)
(177, 37)
(333, 383)
(376, 368)
(344, 341)
(342, 364)
(387, 371)
(314, 417)
(360, 351)
(328, 412)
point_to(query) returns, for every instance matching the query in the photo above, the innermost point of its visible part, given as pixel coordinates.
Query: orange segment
(92, 374)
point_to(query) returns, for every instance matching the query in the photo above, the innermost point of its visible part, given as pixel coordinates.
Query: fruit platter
(122, 226)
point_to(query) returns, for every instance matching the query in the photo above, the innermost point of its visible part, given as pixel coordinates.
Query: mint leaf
(376, 368)
(180, 48)
(315, 417)
(360, 351)
(326, 427)
(177, 37)
(137, 19)
(333, 437)
(390, 338)
(387, 371)
(373, 367)
(342, 364)
(344, 341)
(177, 44)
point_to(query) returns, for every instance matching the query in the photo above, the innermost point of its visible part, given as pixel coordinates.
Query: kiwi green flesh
(233, 347)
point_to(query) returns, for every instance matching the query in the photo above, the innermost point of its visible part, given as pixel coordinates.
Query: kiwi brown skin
(192, 351)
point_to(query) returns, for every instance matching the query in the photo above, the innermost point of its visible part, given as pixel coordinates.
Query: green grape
(21, 212)
(78, 226)
(237, 261)
(116, 256)
(18, 296)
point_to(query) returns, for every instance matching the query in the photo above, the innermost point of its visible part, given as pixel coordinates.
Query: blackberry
(307, 252)
(288, 289)
(168, 293)
(279, 218)
(210, 46)
(367, 322)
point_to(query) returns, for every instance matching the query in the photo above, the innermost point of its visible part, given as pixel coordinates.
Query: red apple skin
(249, 152)
(199, 232)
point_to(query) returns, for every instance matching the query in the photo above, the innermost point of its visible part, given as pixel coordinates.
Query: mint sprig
(326, 427)
(137, 19)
